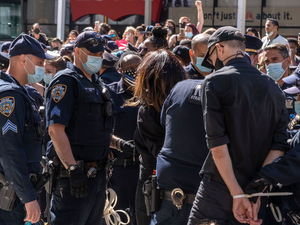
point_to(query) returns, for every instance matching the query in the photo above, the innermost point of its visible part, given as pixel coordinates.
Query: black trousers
(213, 203)
(140, 207)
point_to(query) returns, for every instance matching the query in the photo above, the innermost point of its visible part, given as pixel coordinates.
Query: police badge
(7, 105)
(58, 92)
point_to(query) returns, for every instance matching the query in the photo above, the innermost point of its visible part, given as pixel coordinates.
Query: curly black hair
(159, 37)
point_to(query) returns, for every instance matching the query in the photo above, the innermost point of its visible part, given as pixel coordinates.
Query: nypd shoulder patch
(7, 105)
(55, 111)
(58, 92)
(9, 126)
(289, 103)
(195, 96)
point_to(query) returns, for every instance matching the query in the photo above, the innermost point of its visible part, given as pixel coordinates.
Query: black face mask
(36, 30)
(218, 64)
(102, 32)
(136, 38)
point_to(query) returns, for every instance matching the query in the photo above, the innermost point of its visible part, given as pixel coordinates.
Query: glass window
(10, 19)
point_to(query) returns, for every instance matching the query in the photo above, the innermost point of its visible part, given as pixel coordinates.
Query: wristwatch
(72, 168)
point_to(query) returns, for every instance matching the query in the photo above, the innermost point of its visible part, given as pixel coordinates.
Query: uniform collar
(121, 87)
(80, 73)
(196, 72)
(8, 78)
(237, 60)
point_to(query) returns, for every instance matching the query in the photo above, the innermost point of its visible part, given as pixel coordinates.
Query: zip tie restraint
(262, 194)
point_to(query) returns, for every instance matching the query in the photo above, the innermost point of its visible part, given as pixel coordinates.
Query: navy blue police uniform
(76, 102)
(192, 72)
(21, 134)
(110, 74)
(126, 166)
(20, 151)
(80, 104)
(183, 152)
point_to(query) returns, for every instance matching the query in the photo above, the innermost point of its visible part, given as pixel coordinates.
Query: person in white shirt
(272, 36)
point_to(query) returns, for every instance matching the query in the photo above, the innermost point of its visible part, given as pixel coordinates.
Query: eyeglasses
(111, 35)
(128, 34)
(143, 49)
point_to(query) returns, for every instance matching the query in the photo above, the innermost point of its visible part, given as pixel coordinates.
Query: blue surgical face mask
(297, 107)
(38, 75)
(202, 68)
(275, 70)
(48, 77)
(93, 64)
(189, 34)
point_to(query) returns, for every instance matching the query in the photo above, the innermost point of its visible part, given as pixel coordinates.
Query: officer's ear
(191, 54)
(22, 59)
(288, 61)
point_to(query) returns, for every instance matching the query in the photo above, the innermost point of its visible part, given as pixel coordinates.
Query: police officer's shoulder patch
(195, 96)
(58, 92)
(289, 103)
(7, 105)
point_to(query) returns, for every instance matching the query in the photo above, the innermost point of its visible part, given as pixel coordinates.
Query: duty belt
(85, 166)
(167, 195)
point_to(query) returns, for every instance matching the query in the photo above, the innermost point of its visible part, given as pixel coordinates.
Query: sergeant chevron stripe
(55, 111)
(9, 126)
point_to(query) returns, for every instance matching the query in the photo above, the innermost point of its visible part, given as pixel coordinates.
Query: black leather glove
(126, 146)
(257, 185)
(78, 183)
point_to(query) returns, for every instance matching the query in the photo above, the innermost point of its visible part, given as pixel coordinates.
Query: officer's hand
(126, 146)
(78, 183)
(33, 212)
(257, 185)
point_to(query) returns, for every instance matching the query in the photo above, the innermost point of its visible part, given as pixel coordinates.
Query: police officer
(199, 47)
(4, 61)
(79, 123)
(126, 165)
(245, 121)
(277, 61)
(5, 47)
(20, 149)
(183, 153)
(108, 71)
(253, 46)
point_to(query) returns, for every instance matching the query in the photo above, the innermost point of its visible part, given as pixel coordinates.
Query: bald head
(200, 38)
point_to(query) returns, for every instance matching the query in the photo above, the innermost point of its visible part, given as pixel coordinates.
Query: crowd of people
(184, 125)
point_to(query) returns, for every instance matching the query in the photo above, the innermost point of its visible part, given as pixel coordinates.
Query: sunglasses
(111, 35)
(143, 49)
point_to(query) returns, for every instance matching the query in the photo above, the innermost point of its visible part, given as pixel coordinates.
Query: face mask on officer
(93, 63)
(38, 74)
(202, 68)
(275, 70)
